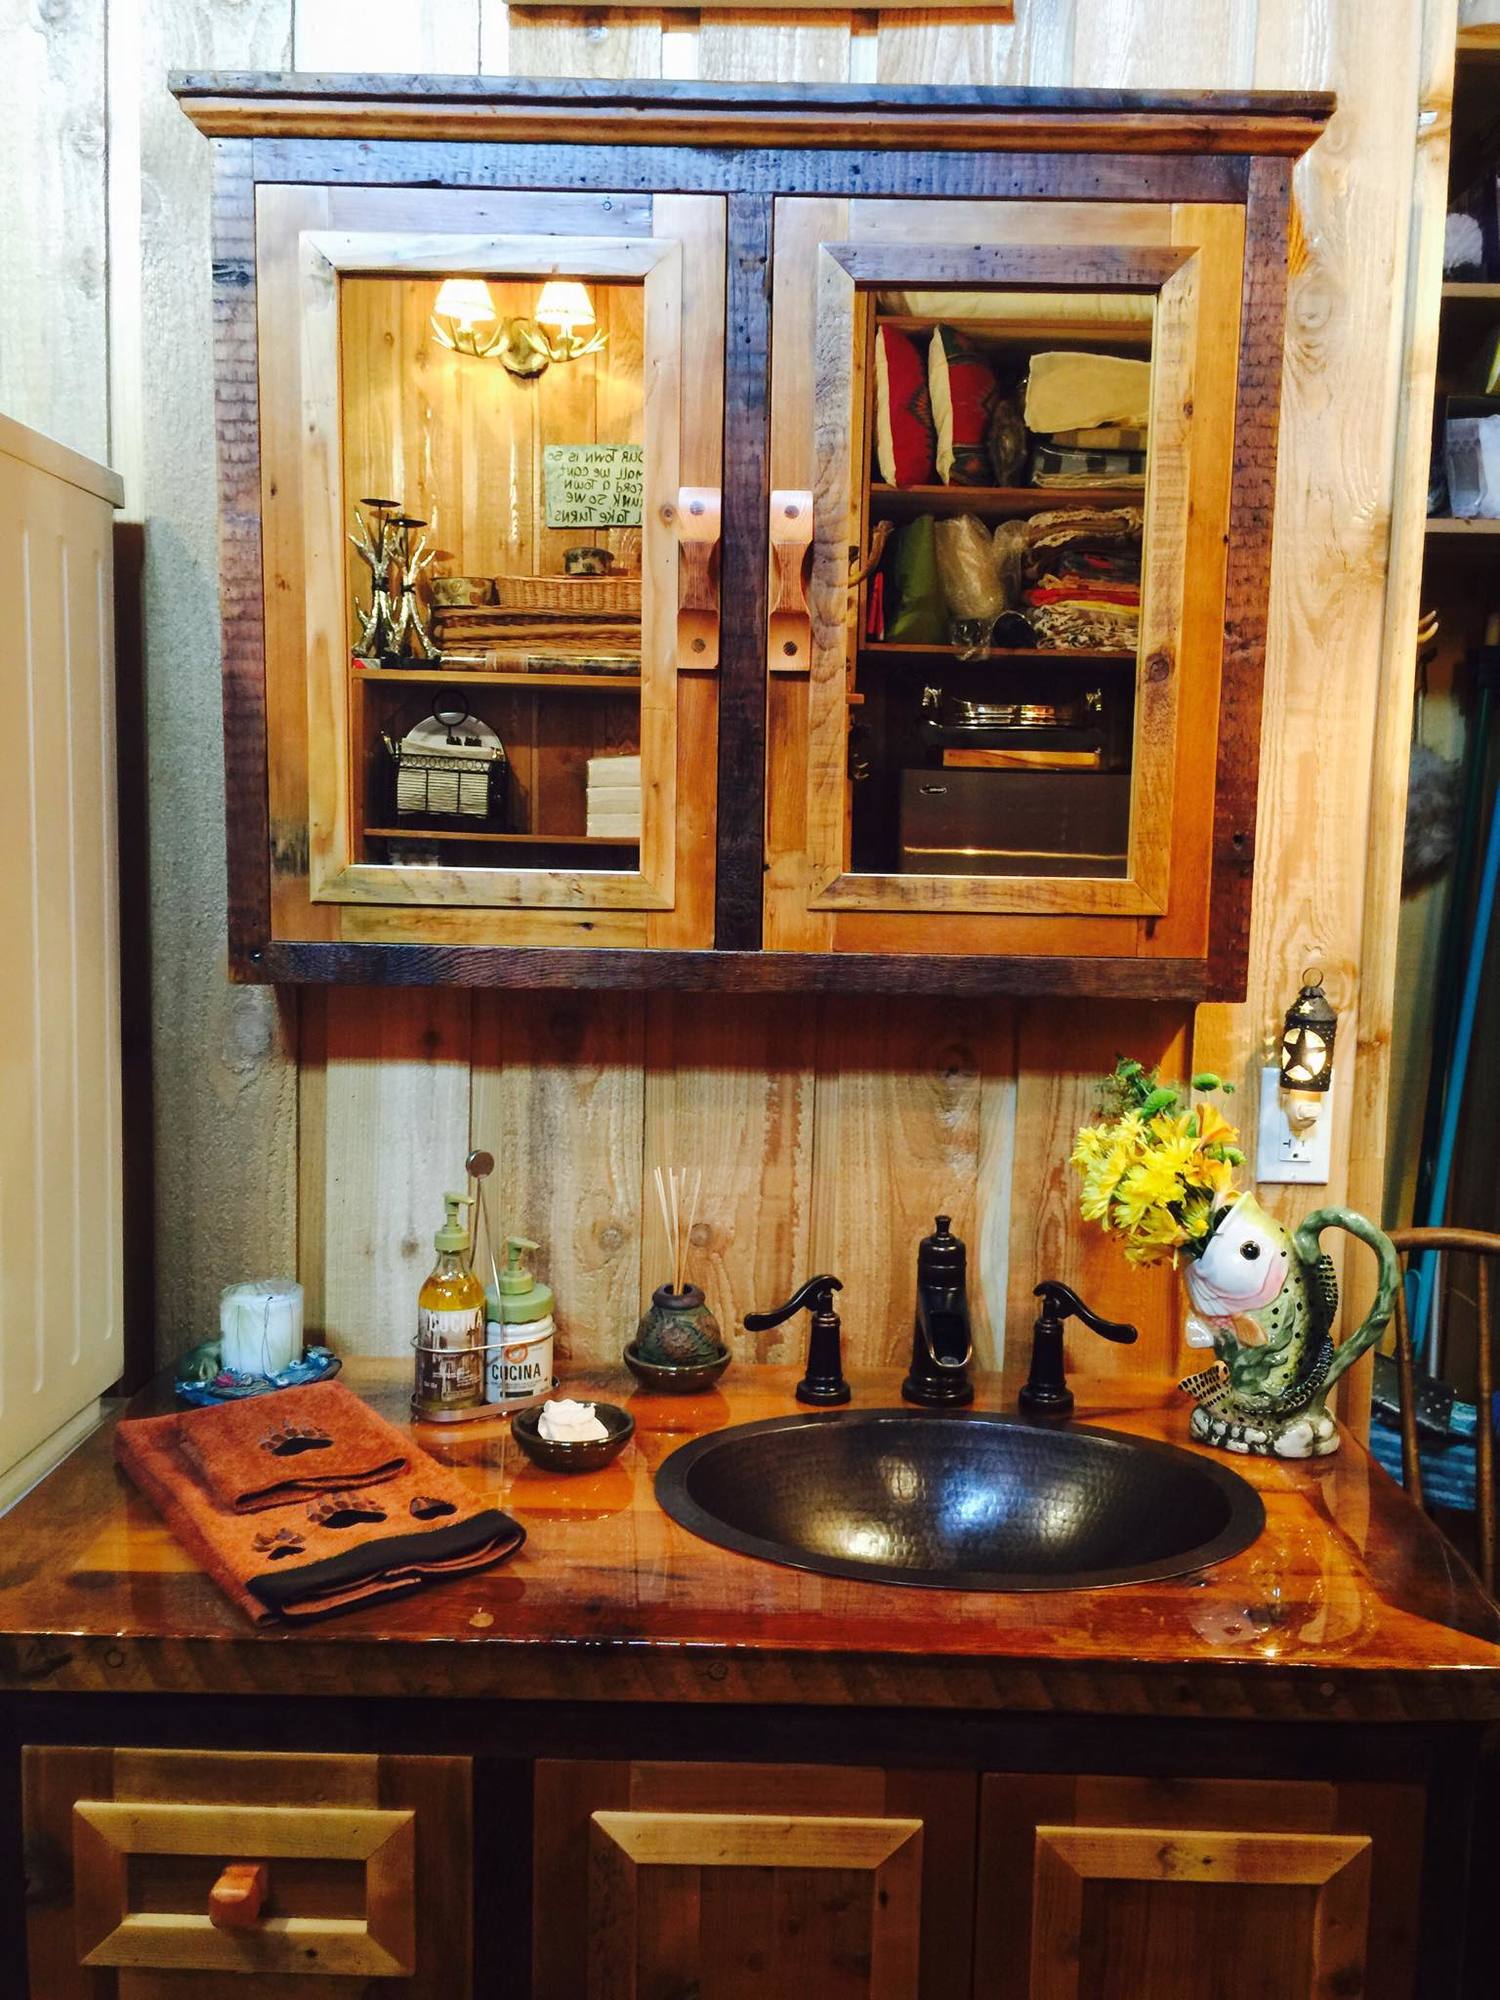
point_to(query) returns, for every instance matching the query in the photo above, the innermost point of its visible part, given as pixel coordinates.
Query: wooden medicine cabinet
(732, 536)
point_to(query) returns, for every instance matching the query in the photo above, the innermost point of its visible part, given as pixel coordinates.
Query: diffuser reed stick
(677, 1193)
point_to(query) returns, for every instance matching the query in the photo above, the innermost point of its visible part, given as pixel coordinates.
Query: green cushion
(921, 612)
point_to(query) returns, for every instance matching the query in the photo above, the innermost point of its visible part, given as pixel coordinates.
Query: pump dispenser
(450, 1325)
(520, 1329)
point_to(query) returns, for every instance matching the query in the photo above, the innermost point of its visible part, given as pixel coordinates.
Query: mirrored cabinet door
(491, 436)
(1002, 436)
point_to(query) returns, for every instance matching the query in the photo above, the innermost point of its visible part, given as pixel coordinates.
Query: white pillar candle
(260, 1326)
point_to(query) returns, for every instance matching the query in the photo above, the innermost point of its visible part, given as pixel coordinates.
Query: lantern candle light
(260, 1326)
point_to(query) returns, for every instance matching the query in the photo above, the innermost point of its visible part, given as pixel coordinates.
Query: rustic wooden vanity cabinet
(781, 741)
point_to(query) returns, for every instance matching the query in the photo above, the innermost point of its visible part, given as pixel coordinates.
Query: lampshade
(565, 303)
(466, 300)
(1307, 1040)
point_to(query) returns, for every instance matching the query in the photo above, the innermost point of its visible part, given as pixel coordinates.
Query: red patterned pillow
(965, 396)
(905, 440)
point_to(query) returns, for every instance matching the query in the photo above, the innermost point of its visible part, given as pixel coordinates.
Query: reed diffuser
(677, 1345)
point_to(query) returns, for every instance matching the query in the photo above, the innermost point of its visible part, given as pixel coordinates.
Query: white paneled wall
(61, 1339)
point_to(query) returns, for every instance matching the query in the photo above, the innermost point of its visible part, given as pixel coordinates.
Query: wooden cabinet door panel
(729, 1904)
(731, 1878)
(368, 1862)
(1116, 1887)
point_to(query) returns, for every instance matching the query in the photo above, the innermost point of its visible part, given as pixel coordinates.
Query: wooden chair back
(1482, 1246)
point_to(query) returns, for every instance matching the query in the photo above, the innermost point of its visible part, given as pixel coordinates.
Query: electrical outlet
(1282, 1155)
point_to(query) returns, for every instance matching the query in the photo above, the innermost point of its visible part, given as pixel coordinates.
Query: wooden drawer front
(365, 1863)
(1113, 1888)
(722, 1879)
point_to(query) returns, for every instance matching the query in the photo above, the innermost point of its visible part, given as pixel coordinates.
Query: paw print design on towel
(290, 1440)
(276, 1543)
(344, 1510)
(428, 1507)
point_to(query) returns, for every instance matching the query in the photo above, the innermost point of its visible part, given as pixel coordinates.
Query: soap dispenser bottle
(450, 1326)
(519, 1330)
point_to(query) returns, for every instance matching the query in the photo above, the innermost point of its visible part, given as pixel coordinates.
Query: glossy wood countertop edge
(1350, 1606)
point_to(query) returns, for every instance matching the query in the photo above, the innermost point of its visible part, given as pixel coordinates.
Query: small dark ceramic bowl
(676, 1381)
(583, 1455)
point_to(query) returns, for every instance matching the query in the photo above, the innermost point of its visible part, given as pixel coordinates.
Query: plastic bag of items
(972, 585)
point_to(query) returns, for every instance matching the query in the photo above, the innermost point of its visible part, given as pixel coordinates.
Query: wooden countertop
(1349, 1606)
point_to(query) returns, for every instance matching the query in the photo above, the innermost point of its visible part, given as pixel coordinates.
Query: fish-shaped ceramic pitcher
(1264, 1298)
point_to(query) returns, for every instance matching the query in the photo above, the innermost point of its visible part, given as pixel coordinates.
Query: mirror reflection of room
(492, 478)
(998, 618)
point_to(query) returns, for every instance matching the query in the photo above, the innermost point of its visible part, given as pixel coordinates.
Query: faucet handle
(1062, 1302)
(816, 1293)
(824, 1383)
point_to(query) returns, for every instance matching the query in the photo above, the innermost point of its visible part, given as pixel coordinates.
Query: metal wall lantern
(1307, 1038)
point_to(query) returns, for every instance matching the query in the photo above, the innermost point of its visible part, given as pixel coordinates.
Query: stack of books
(614, 798)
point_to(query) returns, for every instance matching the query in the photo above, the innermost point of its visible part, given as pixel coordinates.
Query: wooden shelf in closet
(1438, 524)
(420, 833)
(487, 677)
(1002, 500)
(1477, 291)
(900, 649)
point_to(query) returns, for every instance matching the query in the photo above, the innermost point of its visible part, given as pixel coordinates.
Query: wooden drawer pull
(789, 627)
(238, 1897)
(698, 512)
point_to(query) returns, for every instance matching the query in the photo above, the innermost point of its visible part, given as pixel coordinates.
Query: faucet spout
(942, 1341)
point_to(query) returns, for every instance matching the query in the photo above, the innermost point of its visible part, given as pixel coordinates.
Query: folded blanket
(323, 1551)
(271, 1449)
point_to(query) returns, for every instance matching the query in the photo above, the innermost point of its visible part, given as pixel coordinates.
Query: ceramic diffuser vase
(1158, 1174)
(677, 1346)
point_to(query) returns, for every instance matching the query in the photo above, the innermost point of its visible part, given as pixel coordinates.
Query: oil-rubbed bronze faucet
(1046, 1392)
(824, 1382)
(942, 1345)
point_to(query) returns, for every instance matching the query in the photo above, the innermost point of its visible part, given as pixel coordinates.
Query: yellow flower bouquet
(1156, 1170)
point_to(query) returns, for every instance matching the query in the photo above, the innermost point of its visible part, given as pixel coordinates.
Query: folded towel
(270, 1449)
(322, 1552)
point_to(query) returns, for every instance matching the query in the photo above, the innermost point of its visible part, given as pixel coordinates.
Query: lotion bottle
(450, 1325)
(518, 1353)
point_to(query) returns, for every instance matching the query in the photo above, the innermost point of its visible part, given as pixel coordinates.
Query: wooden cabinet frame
(1207, 171)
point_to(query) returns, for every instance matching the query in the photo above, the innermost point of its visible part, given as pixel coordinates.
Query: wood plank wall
(828, 1133)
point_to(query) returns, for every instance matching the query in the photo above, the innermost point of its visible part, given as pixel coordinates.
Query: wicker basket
(569, 593)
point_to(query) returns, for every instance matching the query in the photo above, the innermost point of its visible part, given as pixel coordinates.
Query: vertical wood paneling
(569, 41)
(898, 1134)
(224, 1062)
(437, 36)
(925, 47)
(559, 1100)
(1061, 1053)
(1334, 492)
(394, 1099)
(1383, 925)
(54, 350)
(767, 48)
(61, 1288)
(729, 1092)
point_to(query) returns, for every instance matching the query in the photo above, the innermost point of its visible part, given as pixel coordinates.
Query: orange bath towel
(320, 1551)
(270, 1449)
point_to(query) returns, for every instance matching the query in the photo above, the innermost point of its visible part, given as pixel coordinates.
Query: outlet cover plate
(1283, 1156)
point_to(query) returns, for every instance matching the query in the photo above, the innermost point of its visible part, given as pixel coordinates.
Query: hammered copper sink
(961, 1501)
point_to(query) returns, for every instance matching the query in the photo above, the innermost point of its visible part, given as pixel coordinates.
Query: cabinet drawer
(206, 1872)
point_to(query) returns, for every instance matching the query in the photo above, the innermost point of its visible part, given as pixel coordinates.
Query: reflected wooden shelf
(485, 677)
(1006, 500)
(900, 649)
(1438, 524)
(421, 833)
(1477, 290)
(1134, 331)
